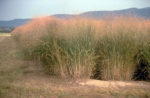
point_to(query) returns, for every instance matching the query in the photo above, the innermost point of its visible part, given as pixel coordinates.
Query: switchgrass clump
(65, 55)
(116, 53)
(73, 58)
(77, 48)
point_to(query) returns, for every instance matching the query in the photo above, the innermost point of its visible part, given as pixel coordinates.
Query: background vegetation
(5, 30)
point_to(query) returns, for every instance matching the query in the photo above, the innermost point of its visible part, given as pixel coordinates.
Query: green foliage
(144, 54)
(142, 59)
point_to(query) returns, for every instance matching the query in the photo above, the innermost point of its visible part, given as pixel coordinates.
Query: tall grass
(103, 49)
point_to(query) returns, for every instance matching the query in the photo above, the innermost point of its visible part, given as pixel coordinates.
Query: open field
(52, 58)
(20, 78)
(5, 34)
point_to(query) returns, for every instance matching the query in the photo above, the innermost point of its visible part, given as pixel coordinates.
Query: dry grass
(81, 48)
(5, 34)
(20, 78)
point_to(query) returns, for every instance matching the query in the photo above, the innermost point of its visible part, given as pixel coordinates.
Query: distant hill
(13, 23)
(142, 13)
(64, 16)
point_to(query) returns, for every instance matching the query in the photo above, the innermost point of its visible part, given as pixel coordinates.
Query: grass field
(20, 78)
(5, 34)
(52, 58)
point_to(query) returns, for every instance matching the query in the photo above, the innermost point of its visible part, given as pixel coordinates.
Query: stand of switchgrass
(116, 53)
(78, 48)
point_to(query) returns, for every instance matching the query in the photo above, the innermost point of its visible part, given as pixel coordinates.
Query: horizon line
(71, 14)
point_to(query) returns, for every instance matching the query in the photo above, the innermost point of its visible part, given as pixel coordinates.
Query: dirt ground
(21, 78)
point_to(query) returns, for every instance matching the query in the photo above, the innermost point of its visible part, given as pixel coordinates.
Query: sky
(14, 9)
